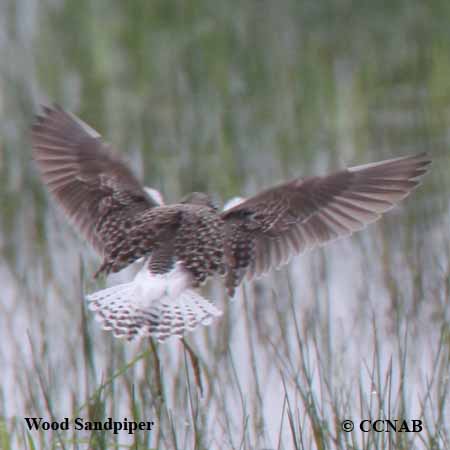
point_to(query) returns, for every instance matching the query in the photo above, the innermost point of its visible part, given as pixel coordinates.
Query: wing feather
(301, 214)
(84, 174)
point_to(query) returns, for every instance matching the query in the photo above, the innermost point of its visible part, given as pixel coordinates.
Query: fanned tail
(121, 310)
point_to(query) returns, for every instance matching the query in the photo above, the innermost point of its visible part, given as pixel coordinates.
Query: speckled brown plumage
(107, 203)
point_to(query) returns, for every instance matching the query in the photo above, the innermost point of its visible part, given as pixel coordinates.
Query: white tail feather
(121, 309)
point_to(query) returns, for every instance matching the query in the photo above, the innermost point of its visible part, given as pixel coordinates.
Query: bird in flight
(183, 244)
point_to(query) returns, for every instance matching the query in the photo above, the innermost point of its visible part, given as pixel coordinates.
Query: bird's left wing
(98, 192)
(265, 230)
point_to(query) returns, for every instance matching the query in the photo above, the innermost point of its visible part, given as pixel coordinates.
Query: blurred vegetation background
(230, 97)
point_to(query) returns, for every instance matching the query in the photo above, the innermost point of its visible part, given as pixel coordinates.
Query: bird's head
(199, 198)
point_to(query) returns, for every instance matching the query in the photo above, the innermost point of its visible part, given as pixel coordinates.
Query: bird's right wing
(96, 189)
(265, 230)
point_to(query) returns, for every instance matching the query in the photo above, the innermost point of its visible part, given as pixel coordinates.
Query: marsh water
(229, 98)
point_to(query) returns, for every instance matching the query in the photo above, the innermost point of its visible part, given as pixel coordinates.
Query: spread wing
(97, 191)
(265, 230)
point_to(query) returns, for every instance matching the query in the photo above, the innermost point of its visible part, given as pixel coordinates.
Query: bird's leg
(195, 366)
(104, 268)
(157, 368)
